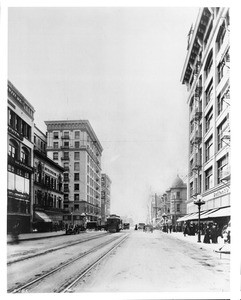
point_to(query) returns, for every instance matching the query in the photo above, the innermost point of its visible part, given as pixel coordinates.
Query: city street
(144, 262)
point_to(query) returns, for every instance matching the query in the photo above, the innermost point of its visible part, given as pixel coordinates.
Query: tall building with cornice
(20, 161)
(105, 197)
(74, 145)
(206, 75)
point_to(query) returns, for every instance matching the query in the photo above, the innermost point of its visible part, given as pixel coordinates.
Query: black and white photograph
(118, 137)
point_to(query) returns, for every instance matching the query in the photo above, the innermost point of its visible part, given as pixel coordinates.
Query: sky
(119, 68)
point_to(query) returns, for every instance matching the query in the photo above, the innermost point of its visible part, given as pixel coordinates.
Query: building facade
(206, 75)
(20, 161)
(75, 146)
(48, 207)
(105, 197)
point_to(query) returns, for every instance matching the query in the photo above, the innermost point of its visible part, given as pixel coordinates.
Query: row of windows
(66, 134)
(222, 165)
(19, 153)
(18, 124)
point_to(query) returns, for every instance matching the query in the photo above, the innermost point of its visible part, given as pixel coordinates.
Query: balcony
(66, 169)
(66, 179)
(197, 138)
(196, 164)
(197, 114)
(198, 91)
(65, 137)
(65, 147)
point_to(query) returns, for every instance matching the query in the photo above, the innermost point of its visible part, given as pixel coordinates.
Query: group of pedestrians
(210, 230)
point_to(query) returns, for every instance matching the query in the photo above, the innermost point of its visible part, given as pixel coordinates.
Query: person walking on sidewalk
(207, 235)
(214, 233)
(185, 229)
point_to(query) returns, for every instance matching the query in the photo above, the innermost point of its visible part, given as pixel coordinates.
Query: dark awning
(41, 217)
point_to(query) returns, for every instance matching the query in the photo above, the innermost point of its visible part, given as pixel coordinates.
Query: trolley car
(114, 223)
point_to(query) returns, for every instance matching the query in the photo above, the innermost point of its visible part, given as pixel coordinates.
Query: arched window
(24, 156)
(13, 149)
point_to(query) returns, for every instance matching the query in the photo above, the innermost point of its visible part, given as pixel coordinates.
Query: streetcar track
(54, 249)
(67, 289)
(23, 288)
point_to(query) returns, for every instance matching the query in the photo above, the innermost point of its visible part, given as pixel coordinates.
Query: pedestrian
(214, 233)
(207, 235)
(136, 227)
(185, 229)
(170, 228)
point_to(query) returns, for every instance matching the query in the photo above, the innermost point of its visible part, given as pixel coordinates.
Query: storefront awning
(221, 212)
(41, 217)
(207, 213)
(185, 218)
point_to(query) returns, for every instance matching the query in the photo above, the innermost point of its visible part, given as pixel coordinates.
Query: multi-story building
(74, 145)
(206, 75)
(20, 161)
(173, 202)
(48, 184)
(177, 196)
(105, 197)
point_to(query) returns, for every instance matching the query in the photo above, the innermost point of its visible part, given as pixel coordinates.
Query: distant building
(48, 187)
(74, 145)
(177, 197)
(20, 160)
(206, 75)
(105, 197)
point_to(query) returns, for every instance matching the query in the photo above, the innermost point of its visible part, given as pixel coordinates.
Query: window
(66, 144)
(66, 155)
(76, 155)
(178, 207)
(76, 134)
(66, 197)
(209, 64)
(208, 179)
(76, 176)
(221, 66)
(220, 103)
(76, 144)
(209, 149)
(76, 187)
(12, 151)
(76, 198)
(56, 145)
(209, 93)
(221, 35)
(66, 134)
(55, 135)
(222, 165)
(220, 130)
(66, 176)
(24, 156)
(76, 206)
(55, 156)
(208, 120)
(191, 188)
(76, 166)
(66, 187)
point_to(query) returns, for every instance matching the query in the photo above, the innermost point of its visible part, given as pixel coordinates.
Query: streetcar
(114, 223)
(126, 225)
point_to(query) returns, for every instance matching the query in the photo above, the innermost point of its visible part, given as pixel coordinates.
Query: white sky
(119, 68)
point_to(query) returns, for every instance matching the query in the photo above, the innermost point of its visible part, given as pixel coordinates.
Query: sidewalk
(36, 235)
(220, 247)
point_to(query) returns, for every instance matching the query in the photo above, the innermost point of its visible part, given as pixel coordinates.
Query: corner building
(75, 146)
(206, 75)
(20, 161)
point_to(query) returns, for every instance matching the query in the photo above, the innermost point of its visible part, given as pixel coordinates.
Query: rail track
(85, 268)
(56, 248)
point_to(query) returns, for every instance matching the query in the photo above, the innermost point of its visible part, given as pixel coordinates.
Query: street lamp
(199, 202)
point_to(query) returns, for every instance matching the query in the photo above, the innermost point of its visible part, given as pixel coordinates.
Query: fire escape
(197, 137)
